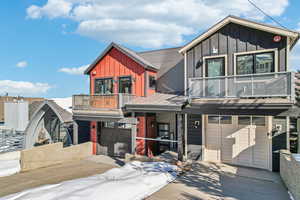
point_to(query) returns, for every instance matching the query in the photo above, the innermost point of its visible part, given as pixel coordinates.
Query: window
(251, 120)
(255, 63)
(109, 124)
(244, 120)
(125, 84)
(226, 120)
(213, 119)
(215, 67)
(152, 82)
(104, 86)
(124, 125)
(223, 119)
(258, 121)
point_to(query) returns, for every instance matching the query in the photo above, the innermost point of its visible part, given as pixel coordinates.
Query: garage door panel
(212, 148)
(245, 145)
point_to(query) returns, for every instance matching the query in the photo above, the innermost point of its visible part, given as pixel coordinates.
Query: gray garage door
(115, 141)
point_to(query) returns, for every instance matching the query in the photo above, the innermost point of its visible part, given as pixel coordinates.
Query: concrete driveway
(210, 181)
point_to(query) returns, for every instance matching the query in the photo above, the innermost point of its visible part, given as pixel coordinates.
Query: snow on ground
(65, 103)
(297, 157)
(9, 163)
(134, 181)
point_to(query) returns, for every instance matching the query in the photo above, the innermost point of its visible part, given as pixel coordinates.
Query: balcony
(100, 102)
(279, 84)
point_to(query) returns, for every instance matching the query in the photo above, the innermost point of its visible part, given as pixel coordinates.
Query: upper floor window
(104, 86)
(125, 84)
(152, 82)
(215, 66)
(255, 63)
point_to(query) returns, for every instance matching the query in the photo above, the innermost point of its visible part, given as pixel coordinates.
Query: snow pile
(65, 103)
(10, 163)
(134, 181)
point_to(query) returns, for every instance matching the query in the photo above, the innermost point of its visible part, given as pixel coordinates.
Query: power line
(253, 4)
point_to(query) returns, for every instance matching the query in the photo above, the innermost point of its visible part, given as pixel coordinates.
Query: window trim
(275, 51)
(104, 78)
(119, 78)
(211, 57)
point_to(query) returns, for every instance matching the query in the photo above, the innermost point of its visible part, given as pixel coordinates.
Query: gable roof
(164, 59)
(130, 53)
(293, 35)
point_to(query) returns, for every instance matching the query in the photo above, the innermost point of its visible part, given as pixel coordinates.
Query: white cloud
(74, 70)
(23, 87)
(53, 9)
(22, 64)
(150, 23)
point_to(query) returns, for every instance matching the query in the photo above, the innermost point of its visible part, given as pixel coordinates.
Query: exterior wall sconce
(94, 73)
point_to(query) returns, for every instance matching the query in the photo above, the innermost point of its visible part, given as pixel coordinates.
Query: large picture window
(104, 86)
(255, 63)
(125, 85)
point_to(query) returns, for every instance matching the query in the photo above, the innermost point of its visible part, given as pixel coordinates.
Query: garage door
(241, 140)
(115, 141)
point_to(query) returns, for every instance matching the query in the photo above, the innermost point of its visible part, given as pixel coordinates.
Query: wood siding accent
(107, 101)
(115, 64)
(230, 39)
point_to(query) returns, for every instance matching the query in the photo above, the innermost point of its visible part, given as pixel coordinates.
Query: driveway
(56, 174)
(210, 181)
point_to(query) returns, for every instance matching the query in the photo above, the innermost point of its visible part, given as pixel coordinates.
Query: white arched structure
(48, 123)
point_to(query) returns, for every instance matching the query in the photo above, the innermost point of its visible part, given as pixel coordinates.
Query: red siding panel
(94, 136)
(116, 64)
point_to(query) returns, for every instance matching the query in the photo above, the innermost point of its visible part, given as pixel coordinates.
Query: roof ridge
(148, 51)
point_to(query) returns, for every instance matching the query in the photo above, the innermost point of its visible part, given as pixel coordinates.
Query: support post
(133, 136)
(75, 132)
(180, 134)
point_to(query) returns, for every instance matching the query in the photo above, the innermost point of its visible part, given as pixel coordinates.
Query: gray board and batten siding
(230, 39)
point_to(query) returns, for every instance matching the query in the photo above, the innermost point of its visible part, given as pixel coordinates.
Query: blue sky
(45, 44)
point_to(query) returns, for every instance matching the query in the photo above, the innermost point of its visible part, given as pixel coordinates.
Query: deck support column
(133, 135)
(180, 135)
(75, 132)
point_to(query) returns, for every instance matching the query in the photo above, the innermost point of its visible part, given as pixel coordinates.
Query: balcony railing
(99, 102)
(279, 84)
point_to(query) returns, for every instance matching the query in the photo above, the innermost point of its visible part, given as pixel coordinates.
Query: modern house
(223, 97)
